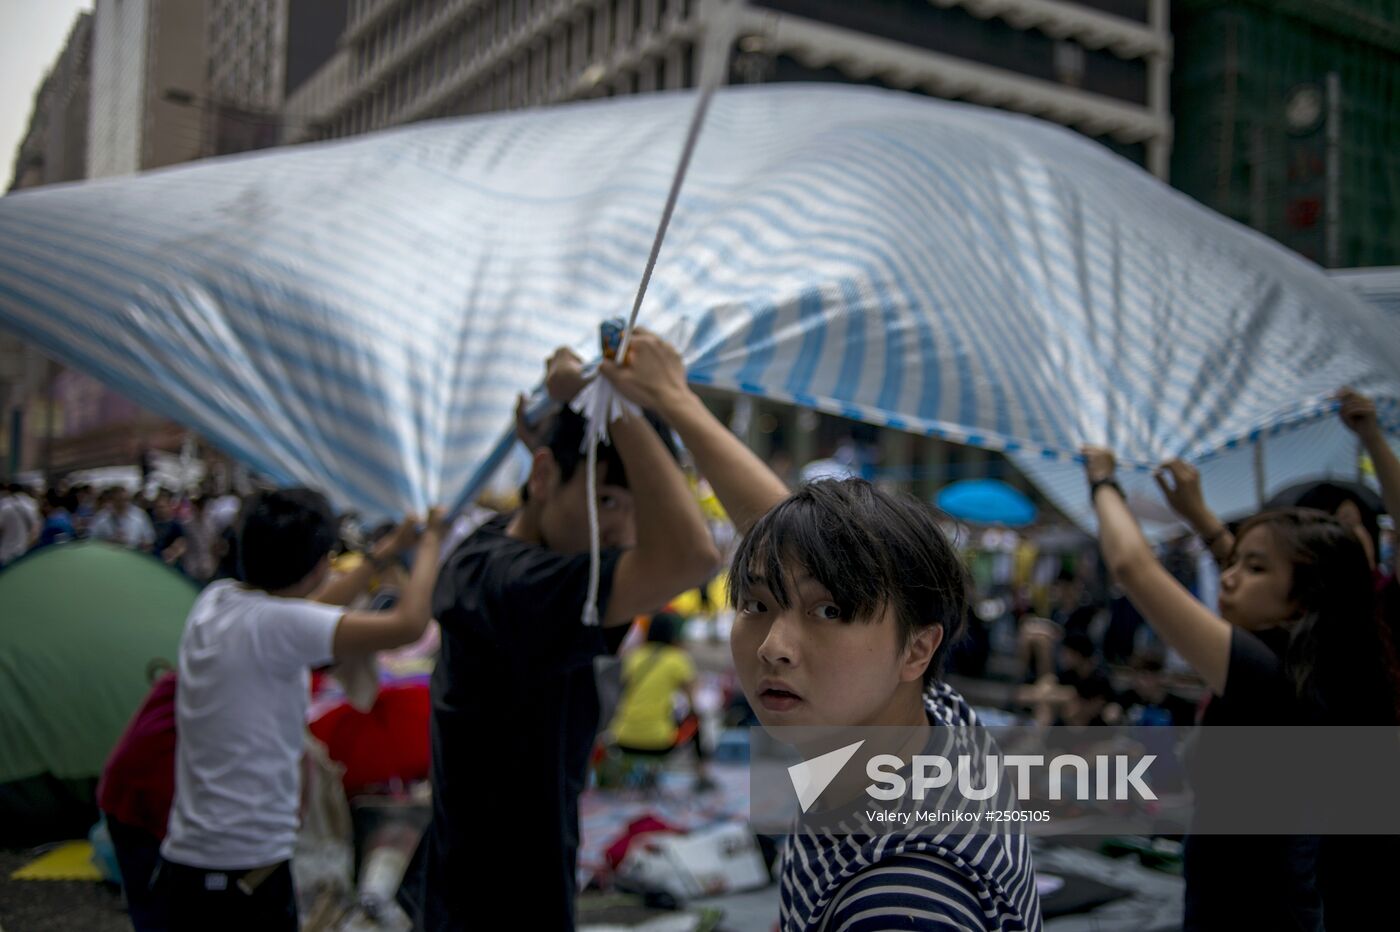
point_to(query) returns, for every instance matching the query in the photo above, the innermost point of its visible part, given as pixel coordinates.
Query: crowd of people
(849, 602)
(192, 531)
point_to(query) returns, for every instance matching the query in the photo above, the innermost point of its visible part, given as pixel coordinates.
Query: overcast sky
(32, 33)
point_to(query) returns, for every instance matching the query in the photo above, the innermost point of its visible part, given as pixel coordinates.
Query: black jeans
(229, 901)
(138, 853)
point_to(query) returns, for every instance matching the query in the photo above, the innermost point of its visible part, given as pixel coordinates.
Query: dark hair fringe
(869, 549)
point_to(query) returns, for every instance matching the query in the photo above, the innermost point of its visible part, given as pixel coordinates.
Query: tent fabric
(79, 623)
(358, 315)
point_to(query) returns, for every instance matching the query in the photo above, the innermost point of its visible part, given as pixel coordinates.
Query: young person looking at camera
(847, 600)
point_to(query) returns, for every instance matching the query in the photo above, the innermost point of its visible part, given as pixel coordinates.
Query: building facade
(54, 148)
(247, 53)
(1101, 67)
(148, 74)
(261, 55)
(1290, 109)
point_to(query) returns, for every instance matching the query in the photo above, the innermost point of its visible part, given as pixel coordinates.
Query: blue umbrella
(986, 501)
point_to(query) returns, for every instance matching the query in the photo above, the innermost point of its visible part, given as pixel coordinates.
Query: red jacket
(138, 783)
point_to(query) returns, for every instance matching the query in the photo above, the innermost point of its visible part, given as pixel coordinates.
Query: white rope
(599, 399)
(590, 608)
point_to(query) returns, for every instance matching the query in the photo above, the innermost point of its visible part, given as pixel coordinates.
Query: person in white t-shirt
(121, 522)
(16, 529)
(241, 702)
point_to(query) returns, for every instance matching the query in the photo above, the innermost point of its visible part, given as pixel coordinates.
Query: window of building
(688, 76)
(1069, 63)
(622, 21)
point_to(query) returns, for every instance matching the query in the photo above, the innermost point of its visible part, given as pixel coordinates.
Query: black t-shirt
(515, 714)
(1247, 881)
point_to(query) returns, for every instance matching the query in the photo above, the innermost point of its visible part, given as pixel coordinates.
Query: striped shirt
(934, 877)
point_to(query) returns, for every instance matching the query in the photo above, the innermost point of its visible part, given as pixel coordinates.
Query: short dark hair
(282, 535)
(564, 440)
(665, 628)
(869, 549)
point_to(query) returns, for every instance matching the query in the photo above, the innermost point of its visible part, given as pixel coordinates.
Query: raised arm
(1181, 486)
(1358, 413)
(342, 589)
(1181, 621)
(365, 632)
(674, 550)
(654, 377)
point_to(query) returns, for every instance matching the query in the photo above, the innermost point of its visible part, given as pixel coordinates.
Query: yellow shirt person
(651, 676)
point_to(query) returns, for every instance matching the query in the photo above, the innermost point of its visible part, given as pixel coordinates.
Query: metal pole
(1334, 171)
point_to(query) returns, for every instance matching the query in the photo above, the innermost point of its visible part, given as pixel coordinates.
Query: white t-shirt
(14, 528)
(131, 529)
(240, 711)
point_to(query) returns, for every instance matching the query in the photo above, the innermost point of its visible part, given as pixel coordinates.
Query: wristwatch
(1109, 481)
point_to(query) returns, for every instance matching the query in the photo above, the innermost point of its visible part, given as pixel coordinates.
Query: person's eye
(607, 501)
(827, 611)
(752, 607)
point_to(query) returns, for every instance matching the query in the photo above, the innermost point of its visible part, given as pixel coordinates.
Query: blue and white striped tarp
(1379, 287)
(359, 315)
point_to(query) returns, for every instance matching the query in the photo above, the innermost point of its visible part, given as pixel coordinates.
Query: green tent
(79, 625)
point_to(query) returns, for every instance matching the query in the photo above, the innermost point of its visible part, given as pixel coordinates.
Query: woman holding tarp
(1295, 643)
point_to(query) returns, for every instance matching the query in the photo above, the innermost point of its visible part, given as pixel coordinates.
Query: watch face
(1304, 108)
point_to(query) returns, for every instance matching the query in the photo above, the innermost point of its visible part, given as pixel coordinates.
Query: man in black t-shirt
(515, 705)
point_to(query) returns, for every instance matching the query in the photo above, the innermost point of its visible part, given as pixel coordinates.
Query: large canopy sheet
(359, 315)
(1379, 287)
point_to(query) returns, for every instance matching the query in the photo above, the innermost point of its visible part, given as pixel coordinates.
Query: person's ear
(918, 654)
(544, 472)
